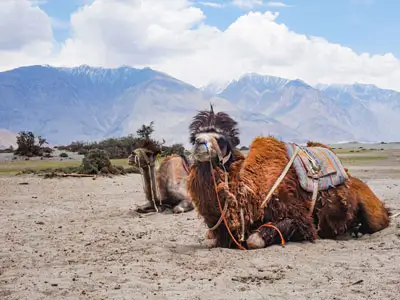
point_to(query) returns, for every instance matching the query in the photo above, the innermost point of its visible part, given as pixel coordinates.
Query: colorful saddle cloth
(328, 169)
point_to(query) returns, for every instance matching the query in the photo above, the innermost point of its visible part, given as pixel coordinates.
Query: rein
(223, 212)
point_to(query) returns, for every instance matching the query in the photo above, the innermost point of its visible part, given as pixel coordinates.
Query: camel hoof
(255, 241)
(147, 208)
(209, 235)
(210, 243)
(178, 210)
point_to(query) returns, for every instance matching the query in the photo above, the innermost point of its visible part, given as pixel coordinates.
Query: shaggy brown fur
(337, 211)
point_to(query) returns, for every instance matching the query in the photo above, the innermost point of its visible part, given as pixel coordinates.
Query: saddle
(317, 165)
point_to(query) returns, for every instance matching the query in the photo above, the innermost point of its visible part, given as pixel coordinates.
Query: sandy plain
(74, 238)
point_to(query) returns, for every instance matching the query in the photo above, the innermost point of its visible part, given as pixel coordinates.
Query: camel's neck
(202, 189)
(202, 186)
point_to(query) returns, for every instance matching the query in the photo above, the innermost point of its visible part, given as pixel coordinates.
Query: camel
(256, 201)
(166, 186)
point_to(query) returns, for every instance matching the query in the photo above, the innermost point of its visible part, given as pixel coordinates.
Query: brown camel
(252, 202)
(165, 187)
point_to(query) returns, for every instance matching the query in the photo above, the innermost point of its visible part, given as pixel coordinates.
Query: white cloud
(251, 4)
(25, 34)
(171, 36)
(212, 4)
(247, 4)
(277, 4)
(136, 32)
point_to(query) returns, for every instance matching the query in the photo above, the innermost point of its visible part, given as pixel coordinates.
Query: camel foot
(146, 208)
(255, 241)
(183, 206)
(210, 240)
(210, 235)
(212, 243)
(178, 210)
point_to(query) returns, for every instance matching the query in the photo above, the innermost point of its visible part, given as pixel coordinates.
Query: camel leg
(149, 206)
(154, 184)
(291, 230)
(210, 239)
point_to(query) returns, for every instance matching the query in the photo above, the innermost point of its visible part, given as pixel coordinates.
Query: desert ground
(79, 238)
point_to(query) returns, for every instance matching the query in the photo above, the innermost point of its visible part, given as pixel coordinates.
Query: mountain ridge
(90, 103)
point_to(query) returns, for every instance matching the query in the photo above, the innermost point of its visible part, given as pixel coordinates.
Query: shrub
(95, 161)
(29, 145)
(64, 155)
(173, 149)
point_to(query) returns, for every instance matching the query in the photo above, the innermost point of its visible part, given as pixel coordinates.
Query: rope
(218, 150)
(137, 160)
(220, 209)
(269, 224)
(220, 218)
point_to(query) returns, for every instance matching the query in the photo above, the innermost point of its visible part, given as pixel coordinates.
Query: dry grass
(16, 166)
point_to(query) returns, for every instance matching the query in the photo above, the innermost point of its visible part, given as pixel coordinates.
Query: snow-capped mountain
(326, 112)
(86, 103)
(374, 112)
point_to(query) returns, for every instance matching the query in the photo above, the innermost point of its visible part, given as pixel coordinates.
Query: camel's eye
(222, 142)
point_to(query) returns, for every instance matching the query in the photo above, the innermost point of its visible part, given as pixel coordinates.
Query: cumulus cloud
(25, 34)
(172, 36)
(136, 32)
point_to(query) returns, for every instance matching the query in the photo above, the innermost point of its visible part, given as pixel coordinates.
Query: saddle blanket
(331, 171)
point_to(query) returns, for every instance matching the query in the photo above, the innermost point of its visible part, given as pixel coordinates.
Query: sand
(77, 238)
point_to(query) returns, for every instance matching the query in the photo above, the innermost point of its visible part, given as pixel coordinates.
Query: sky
(341, 41)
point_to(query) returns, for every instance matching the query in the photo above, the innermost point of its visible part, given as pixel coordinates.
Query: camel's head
(145, 155)
(213, 136)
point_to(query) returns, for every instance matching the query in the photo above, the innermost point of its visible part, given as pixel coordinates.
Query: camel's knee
(255, 241)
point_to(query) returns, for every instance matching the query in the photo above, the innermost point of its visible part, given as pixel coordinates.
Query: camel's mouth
(141, 158)
(132, 159)
(201, 153)
(204, 148)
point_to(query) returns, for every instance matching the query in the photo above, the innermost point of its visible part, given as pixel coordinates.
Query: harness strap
(281, 177)
(314, 194)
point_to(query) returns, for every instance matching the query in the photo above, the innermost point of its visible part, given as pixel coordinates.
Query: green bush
(95, 161)
(64, 155)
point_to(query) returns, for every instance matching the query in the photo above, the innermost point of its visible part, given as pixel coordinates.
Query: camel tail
(373, 213)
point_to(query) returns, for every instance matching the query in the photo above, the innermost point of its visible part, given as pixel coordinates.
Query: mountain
(86, 103)
(7, 139)
(325, 112)
(374, 112)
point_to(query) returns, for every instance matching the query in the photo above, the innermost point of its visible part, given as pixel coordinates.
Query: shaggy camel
(165, 187)
(241, 206)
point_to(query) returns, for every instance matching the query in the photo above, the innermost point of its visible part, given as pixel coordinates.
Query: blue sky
(318, 41)
(363, 25)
